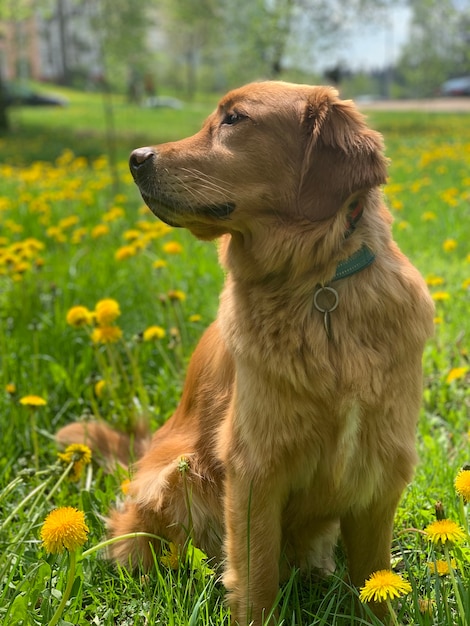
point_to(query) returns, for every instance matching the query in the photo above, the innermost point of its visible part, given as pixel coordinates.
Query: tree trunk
(4, 121)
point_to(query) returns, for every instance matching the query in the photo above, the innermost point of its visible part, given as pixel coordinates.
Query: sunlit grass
(69, 239)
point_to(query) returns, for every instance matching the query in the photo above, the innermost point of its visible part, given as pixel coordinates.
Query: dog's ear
(343, 156)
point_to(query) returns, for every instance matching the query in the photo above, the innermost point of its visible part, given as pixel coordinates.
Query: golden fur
(291, 437)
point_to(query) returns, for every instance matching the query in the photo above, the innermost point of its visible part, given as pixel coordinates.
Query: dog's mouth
(178, 215)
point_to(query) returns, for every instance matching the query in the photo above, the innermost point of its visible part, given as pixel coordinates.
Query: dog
(296, 424)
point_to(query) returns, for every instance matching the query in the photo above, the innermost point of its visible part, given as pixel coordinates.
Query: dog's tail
(110, 448)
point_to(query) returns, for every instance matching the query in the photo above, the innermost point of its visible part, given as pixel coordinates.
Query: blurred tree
(256, 38)
(193, 30)
(276, 34)
(10, 12)
(122, 30)
(439, 46)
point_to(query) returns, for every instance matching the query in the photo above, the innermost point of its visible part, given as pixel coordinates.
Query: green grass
(60, 198)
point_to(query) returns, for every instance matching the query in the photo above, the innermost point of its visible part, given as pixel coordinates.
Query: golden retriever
(297, 419)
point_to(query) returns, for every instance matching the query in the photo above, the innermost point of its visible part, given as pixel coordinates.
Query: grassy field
(74, 232)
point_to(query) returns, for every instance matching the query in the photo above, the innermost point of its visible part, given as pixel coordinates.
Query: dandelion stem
(455, 586)
(109, 542)
(40, 488)
(34, 436)
(10, 487)
(65, 473)
(463, 514)
(392, 613)
(68, 589)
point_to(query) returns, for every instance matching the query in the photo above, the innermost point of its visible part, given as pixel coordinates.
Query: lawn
(74, 232)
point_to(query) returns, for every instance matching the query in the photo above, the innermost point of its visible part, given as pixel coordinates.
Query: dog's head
(271, 153)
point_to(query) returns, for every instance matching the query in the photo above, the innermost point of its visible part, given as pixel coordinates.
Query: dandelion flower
(107, 311)
(426, 606)
(78, 454)
(99, 388)
(444, 531)
(106, 334)
(171, 558)
(440, 296)
(173, 247)
(195, 318)
(79, 316)
(10, 388)
(159, 264)
(32, 401)
(125, 252)
(434, 281)
(384, 585)
(131, 235)
(125, 486)
(456, 373)
(153, 332)
(176, 295)
(462, 484)
(64, 529)
(440, 567)
(449, 245)
(99, 231)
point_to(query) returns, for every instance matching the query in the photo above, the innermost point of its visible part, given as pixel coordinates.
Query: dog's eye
(233, 118)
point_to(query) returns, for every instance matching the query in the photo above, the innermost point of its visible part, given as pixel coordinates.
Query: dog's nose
(139, 157)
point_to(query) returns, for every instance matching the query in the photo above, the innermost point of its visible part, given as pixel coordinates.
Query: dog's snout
(139, 157)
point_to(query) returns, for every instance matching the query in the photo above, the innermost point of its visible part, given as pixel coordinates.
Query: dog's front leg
(367, 535)
(253, 542)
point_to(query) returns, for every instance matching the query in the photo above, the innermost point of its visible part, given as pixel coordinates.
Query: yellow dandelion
(99, 388)
(64, 529)
(153, 332)
(428, 216)
(449, 245)
(79, 316)
(441, 567)
(10, 388)
(444, 531)
(131, 235)
(107, 311)
(113, 214)
(125, 252)
(440, 296)
(438, 320)
(159, 264)
(172, 247)
(195, 318)
(32, 401)
(171, 558)
(462, 484)
(106, 334)
(456, 373)
(78, 454)
(125, 486)
(396, 204)
(434, 281)
(99, 231)
(384, 585)
(177, 295)
(426, 606)
(466, 283)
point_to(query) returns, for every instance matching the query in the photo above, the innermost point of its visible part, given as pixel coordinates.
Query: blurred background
(159, 52)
